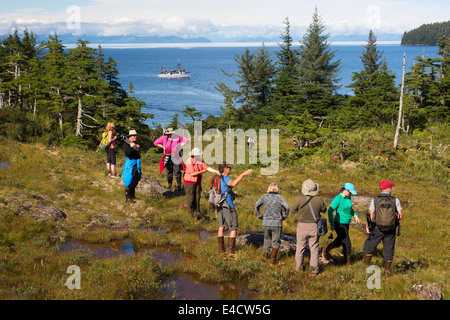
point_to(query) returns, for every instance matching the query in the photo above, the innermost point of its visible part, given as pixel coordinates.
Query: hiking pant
(193, 196)
(375, 237)
(173, 169)
(130, 190)
(272, 238)
(228, 218)
(307, 233)
(343, 238)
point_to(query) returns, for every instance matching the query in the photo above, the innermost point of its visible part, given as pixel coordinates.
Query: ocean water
(164, 97)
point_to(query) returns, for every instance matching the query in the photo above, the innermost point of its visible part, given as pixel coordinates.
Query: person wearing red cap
(387, 205)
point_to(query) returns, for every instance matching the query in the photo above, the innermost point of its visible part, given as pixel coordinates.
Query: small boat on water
(179, 73)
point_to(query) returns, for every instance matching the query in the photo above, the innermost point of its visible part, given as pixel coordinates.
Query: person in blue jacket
(227, 214)
(131, 174)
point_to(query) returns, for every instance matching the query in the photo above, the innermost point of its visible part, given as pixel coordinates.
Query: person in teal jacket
(342, 204)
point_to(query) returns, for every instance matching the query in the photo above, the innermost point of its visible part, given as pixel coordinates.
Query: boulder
(288, 243)
(428, 292)
(149, 186)
(45, 213)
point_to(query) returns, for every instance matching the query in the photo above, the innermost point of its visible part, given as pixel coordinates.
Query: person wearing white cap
(171, 143)
(131, 174)
(342, 204)
(193, 180)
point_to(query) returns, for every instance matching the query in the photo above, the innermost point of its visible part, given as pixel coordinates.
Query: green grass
(74, 181)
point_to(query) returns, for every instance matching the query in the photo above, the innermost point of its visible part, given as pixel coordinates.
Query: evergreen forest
(60, 209)
(65, 97)
(426, 35)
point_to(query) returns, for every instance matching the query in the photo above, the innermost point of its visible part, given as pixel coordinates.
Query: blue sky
(218, 19)
(50, 6)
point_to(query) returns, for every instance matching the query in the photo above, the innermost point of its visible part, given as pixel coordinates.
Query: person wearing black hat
(384, 210)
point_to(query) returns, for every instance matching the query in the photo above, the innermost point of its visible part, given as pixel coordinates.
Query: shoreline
(213, 44)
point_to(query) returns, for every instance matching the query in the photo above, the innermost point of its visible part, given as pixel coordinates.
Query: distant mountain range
(124, 39)
(68, 38)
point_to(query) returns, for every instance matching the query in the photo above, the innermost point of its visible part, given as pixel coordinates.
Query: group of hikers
(383, 218)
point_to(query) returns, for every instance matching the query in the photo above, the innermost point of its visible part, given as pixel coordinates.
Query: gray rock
(44, 213)
(288, 243)
(428, 292)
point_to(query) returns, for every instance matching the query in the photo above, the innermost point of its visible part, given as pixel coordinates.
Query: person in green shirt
(342, 204)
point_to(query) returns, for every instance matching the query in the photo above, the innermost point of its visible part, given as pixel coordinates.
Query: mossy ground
(74, 181)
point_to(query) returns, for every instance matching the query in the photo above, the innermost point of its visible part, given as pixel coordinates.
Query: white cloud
(233, 18)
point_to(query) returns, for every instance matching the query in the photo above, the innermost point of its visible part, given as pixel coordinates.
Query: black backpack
(385, 212)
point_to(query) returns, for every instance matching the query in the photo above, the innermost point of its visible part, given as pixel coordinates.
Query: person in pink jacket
(193, 180)
(171, 143)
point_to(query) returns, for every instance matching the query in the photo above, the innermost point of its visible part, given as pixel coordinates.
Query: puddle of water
(189, 287)
(166, 256)
(101, 250)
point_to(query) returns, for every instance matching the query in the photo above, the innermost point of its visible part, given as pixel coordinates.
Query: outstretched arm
(235, 182)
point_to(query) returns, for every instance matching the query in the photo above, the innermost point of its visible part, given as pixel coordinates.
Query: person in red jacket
(194, 168)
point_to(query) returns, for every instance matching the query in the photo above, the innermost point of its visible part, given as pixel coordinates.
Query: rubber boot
(273, 257)
(326, 249)
(221, 244)
(128, 195)
(367, 258)
(265, 256)
(133, 194)
(232, 245)
(387, 267)
(347, 259)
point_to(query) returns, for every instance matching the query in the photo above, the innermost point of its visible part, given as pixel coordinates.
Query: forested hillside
(427, 34)
(65, 97)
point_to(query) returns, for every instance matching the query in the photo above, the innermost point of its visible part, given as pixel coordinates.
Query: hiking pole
(370, 223)
(125, 138)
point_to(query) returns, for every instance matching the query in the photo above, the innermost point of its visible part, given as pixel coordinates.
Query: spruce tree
(371, 56)
(82, 79)
(105, 91)
(253, 81)
(131, 115)
(375, 97)
(318, 70)
(285, 97)
(19, 54)
(53, 62)
(265, 69)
